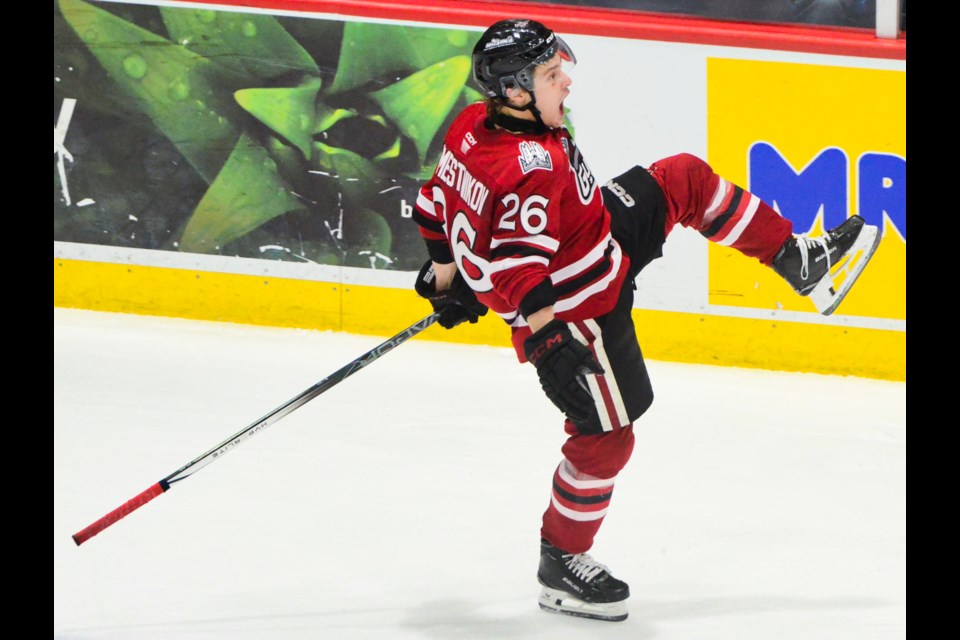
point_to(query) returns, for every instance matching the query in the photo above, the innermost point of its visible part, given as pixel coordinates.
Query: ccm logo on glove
(563, 364)
(540, 350)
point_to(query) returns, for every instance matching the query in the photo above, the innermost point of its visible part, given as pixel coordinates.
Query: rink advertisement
(257, 165)
(844, 159)
(224, 133)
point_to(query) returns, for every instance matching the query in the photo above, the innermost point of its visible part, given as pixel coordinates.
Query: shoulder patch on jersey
(534, 156)
(467, 143)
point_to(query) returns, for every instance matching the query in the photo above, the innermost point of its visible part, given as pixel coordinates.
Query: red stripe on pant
(606, 406)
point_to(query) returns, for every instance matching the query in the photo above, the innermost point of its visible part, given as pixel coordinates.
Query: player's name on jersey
(452, 172)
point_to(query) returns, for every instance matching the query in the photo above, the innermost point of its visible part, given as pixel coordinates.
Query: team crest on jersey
(533, 156)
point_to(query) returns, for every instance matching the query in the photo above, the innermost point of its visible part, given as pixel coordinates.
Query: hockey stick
(291, 405)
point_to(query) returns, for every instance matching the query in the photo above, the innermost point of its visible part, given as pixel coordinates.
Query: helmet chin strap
(531, 106)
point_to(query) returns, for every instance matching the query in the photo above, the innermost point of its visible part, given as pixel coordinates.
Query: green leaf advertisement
(227, 133)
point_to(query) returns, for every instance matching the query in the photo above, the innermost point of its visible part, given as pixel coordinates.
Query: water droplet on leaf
(135, 66)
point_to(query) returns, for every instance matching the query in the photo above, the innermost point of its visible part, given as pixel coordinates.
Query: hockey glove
(563, 364)
(455, 305)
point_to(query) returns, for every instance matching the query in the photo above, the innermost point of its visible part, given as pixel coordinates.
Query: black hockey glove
(456, 305)
(562, 364)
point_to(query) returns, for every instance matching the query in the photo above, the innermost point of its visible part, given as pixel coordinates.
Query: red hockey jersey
(523, 217)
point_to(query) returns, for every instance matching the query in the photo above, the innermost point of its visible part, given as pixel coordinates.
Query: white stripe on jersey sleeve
(509, 263)
(426, 206)
(585, 263)
(541, 241)
(565, 304)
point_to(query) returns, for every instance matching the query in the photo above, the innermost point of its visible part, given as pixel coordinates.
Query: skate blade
(834, 287)
(561, 602)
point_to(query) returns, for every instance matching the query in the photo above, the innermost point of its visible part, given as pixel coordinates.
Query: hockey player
(514, 221)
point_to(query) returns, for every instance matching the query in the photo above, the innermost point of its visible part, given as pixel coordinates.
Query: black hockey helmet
(507, 52)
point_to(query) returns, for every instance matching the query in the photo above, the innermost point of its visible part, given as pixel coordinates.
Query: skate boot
(825, 268)
(577, 585)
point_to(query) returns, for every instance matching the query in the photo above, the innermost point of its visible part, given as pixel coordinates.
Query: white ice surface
(405, 502)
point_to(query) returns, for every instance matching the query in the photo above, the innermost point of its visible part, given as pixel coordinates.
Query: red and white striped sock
(738, 219)
(578, 504)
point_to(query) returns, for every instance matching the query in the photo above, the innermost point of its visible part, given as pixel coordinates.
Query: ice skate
(826, 267)
(575, 584)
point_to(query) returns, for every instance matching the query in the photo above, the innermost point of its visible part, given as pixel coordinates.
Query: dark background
(834, 13)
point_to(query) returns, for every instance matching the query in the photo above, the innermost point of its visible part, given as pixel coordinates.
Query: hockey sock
(738, 219)
(578, 504)
(721, 211)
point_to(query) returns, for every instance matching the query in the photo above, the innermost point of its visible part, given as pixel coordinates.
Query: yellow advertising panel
(819, 144)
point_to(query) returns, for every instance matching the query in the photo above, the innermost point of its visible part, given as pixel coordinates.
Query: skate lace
(584, 567)
(804, 244)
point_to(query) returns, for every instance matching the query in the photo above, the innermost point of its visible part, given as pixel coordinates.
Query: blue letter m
(799, 197)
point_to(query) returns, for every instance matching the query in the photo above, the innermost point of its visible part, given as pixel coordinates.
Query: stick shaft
(229, 444)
